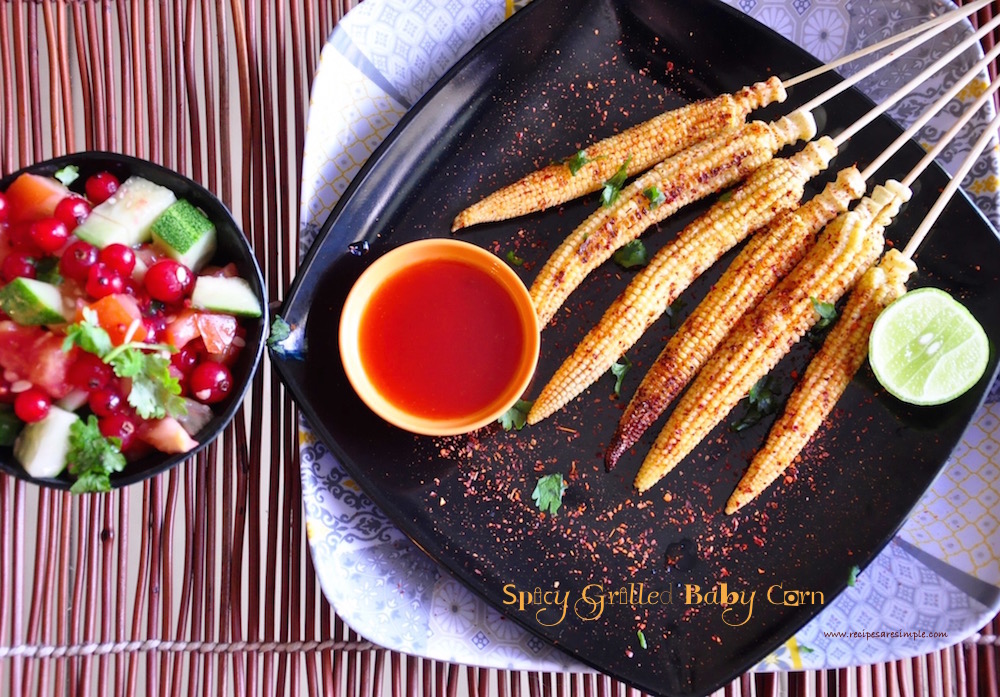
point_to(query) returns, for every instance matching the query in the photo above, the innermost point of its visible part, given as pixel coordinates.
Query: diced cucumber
(31, 302)
(126, 217)
(229, 294)
(185, 234)
(42, 446)
(10, 426)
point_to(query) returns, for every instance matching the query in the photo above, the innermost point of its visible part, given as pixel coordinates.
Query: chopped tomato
(115, 314)
(183, 328)
(33, 197)
(35, 354)
(217, 330)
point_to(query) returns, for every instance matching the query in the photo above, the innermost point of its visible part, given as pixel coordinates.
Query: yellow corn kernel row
(776, 187)
(843, 251)
(690, 175)
(642, 145)
(826, 378)
(767, 257)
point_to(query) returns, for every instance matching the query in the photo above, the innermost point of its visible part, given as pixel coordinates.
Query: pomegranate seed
(168, 281)
(49, 234)
(119, 258)
(32, 405)
(102, 281)
(101, 186)
(210, 382)
(77, 259)
(17, 264)
(72, 211)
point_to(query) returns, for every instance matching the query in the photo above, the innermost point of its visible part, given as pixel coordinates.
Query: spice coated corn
(688, 176)
(642, 145)
(843, 251)
(767, 257)
(826, 378)
(774, 188)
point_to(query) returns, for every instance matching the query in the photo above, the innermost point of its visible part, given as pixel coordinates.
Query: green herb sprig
(762, 401)
(613, 186)
(92, 457)
(548, 493)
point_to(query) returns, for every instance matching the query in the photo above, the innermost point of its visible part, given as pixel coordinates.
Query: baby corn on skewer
(846, 346)
(688, 176)
(773, 189)
(767, 257)
(843, 251)
(641, 146)
(826, 378)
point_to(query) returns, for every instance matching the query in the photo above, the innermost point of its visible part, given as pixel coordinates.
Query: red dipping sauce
(441, 339)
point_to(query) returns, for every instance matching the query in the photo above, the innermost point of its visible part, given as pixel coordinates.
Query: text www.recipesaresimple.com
(886, 634)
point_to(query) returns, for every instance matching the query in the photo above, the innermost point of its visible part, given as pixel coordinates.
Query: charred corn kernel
(826, 378)
(767, 257)
(690, 175)
(846, 247)
(774, 188)
(642, 145)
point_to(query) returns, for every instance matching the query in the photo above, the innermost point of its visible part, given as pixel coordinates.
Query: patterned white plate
(934, 585)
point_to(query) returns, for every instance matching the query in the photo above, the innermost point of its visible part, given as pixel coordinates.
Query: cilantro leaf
(68, 174)
(280, 330)
(548, 493)
(827, 313)
(762, 400)
(88, 335)
(517, 416)
(642, 639)
(631, 255)
(513, 259)
(613, 186)
(852, 577)
(577, 161)
(672, 310)
(654, 196)
(155, 392)
(92, 458)
(619, 369)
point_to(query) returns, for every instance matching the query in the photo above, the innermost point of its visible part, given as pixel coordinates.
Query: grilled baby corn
(690, 175)
(826, 378)
(642, 145)
(767, 257)
(843, 251)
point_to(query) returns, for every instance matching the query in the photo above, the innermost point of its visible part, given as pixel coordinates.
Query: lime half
(926, 348)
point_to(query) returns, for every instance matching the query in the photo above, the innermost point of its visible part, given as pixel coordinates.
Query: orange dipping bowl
(439, 337)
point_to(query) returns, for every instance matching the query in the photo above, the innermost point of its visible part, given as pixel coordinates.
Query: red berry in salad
(49, 234)
(101, 186)
(187, 358)
(32, 405)
(210, 382)
(103, 281)
(106, 401)
(88, 372)
(119, 426)
(168, 281)
(4, 210)
(72, 211)
(119, 258)
(77, 259)
(17, 265)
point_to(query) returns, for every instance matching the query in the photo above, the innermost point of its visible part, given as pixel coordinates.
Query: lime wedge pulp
(926, 348)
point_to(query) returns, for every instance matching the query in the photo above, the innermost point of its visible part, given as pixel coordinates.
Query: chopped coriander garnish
(280, 330)
(827, 312)
(155, 393)
(548, 493)
(654, 196)
(726, 196)
(672, 310)
(513, 259)
(852, 577)
(68, 174)
(632, 255)
(619, 369)
(762, 401)
(577, 161)
(613, 186)
(92, 457)
(642, 639)
(517, 416)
